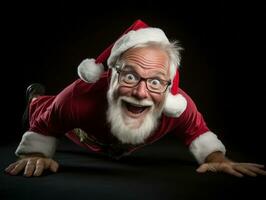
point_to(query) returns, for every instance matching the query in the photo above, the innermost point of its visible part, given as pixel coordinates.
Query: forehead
(147, 57)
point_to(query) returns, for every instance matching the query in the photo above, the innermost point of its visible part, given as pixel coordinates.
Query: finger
(257, 170)
(244, 170)
(230, 170)
(39, 167)
(19, 167)
(202, 168)
(234, 173)
(54, 166)
(10, 167)
(30, 167)
(254, 164)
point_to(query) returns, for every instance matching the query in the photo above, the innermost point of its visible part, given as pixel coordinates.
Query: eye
(155, 82)
(129, 77)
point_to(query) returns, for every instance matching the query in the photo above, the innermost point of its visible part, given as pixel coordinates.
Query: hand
(32, 166)
(233, 168)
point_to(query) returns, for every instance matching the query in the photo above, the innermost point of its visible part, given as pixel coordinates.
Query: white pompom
(89, 71)
(175, 105)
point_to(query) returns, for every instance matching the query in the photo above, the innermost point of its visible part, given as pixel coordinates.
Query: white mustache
(135, 102)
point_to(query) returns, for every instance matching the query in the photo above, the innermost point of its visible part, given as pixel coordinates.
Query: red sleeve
(73, 107)
(52, 115)
(191, 123)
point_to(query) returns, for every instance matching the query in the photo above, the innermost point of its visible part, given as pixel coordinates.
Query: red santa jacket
(81, 108)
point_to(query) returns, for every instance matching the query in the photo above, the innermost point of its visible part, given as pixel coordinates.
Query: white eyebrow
(160, 74)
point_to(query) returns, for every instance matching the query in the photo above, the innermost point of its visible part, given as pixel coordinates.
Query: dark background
(222, 70)
(222, 63)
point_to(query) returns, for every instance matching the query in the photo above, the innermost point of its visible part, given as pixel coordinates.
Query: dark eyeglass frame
(167, 83)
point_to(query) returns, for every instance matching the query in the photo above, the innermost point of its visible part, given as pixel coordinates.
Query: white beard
(123, 127)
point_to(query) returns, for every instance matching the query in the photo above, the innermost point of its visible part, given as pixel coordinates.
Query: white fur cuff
(205, 144)
(36, 143)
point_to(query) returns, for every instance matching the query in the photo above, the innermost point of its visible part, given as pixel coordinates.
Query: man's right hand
(32, 166)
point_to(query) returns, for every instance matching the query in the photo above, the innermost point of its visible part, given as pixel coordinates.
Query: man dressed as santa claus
(115, 112)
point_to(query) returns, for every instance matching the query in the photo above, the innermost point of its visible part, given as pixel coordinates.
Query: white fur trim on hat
(36, 143)
(133, 38)
(89, 71)
(204, 145)
(174, 105)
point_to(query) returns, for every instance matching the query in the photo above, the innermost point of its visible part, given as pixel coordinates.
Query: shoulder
(80, 88)
(100, 86)
(80, 91)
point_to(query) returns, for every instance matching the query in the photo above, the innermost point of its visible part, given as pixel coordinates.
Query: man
(136, 102)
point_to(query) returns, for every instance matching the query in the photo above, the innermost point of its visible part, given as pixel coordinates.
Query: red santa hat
(90, 70)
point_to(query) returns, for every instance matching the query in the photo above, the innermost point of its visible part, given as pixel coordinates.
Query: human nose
(140, 91)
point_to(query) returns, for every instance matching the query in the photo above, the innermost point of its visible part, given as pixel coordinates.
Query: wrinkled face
(136, 109)
(146, 63)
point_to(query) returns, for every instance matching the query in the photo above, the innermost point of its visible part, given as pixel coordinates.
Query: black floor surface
(164, 170)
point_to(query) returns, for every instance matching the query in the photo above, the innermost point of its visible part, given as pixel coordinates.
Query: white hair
(172, 49)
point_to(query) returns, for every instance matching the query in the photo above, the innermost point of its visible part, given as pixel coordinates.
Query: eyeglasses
(132, 79)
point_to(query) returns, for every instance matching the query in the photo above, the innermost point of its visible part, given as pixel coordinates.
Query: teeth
(139, 106)
(136, 105)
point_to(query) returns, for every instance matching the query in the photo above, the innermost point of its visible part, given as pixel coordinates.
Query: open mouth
(134, 108)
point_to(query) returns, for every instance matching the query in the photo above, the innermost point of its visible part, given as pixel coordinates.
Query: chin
(132, 121)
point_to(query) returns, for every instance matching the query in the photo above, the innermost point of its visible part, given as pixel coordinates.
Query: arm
(34, 152)
(38, 144)
(49, 117)
(208, 150)
(191, 125)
